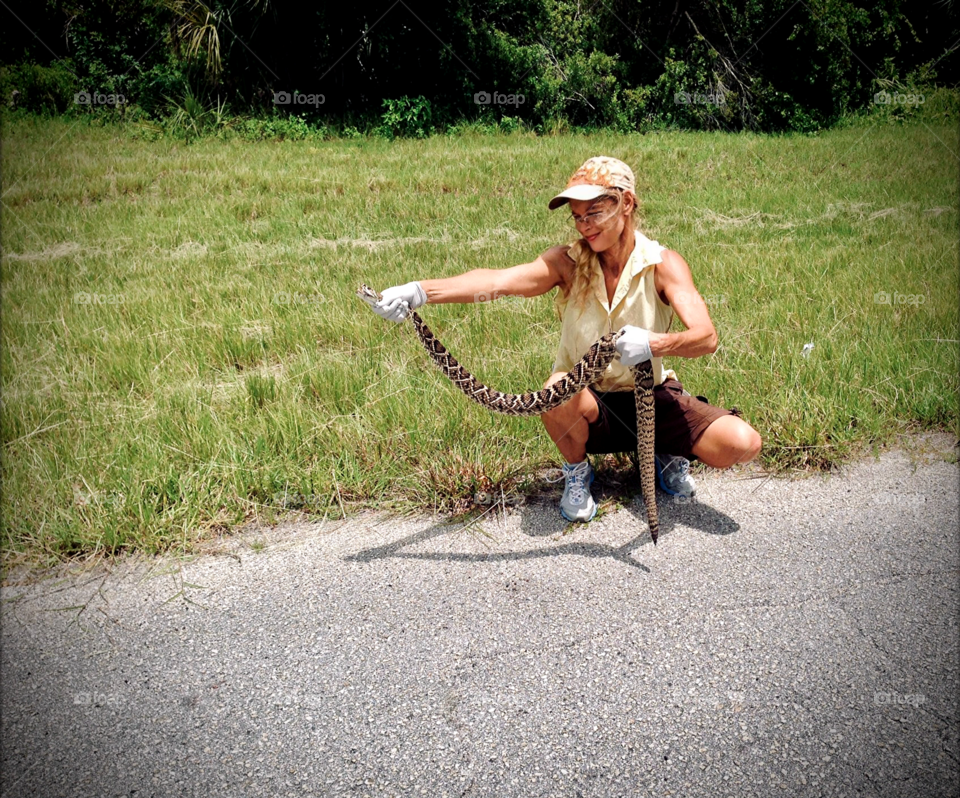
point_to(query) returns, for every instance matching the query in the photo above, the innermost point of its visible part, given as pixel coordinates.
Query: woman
(614, 277)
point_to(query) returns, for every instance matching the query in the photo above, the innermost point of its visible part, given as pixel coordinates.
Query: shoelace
(576, 489)
(576, 484)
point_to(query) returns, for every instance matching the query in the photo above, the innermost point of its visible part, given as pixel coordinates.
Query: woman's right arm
(549, 270)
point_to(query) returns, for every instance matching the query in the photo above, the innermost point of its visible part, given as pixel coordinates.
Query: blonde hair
(586, 261)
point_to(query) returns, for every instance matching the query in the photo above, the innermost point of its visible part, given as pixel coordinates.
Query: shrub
(406, 116)
(41, 90)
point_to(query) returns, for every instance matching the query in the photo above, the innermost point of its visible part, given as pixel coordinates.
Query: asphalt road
(785, 637)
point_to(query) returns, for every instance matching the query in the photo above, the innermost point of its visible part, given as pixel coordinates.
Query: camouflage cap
(594, 179)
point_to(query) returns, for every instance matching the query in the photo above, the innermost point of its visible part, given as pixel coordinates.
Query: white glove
(397, 302)
(634, 346)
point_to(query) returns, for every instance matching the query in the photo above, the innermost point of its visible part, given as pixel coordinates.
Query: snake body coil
(586, 372)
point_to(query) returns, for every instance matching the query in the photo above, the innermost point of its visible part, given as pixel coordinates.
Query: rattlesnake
(584, 373)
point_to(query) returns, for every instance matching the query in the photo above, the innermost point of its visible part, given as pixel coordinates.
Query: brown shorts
(681, 420)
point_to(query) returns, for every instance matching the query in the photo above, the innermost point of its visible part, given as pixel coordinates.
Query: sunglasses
(597, 217)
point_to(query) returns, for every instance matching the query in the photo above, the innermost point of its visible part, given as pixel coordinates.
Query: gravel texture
(785, 637)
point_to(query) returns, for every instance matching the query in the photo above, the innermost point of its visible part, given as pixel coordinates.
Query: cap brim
(581, 192)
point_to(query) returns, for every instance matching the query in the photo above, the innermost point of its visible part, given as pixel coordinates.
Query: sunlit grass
(183, 351)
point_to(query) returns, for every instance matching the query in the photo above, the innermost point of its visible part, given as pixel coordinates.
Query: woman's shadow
(541, 519)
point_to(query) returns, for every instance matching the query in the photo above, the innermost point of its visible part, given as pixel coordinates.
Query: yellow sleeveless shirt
(635, 302)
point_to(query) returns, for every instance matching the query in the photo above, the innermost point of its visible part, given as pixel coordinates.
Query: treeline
(408, 67)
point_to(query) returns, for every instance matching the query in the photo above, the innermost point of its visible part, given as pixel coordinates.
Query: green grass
(190, 399)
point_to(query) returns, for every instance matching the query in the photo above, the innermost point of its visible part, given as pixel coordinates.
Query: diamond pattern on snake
(584, 373)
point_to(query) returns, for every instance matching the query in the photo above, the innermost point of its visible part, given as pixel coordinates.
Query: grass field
(183, 351)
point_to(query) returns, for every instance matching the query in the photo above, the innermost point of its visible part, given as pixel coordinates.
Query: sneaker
(673, 474)
(577, 504)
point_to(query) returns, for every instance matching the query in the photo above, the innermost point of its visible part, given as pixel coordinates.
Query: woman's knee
(744, 440)
(752, 443)
(727, 441)
(582, 404)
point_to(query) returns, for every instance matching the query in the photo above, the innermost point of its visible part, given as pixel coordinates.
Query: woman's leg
(728, 440)
(569, 424)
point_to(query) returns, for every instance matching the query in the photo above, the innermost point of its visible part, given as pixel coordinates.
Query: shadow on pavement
(539, 521)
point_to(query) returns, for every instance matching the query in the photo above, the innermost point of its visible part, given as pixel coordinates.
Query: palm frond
(197, 29)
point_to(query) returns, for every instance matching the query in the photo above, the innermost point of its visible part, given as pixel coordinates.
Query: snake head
(368, 295)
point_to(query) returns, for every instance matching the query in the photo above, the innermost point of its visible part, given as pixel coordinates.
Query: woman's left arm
(674, 284)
